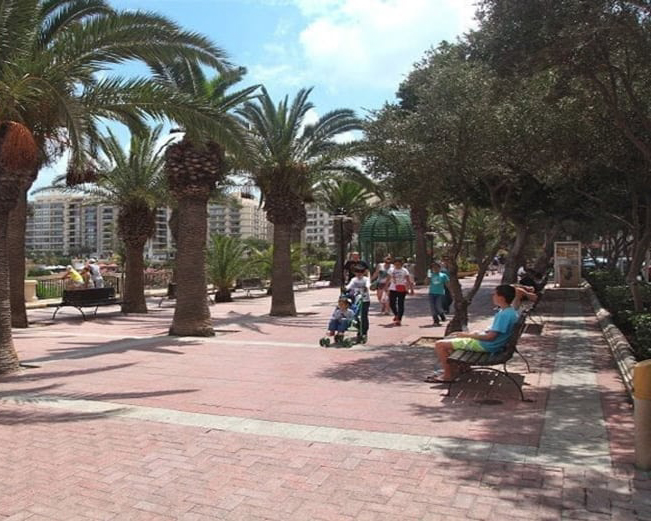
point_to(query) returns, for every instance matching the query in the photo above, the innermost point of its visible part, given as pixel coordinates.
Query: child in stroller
(345, 315)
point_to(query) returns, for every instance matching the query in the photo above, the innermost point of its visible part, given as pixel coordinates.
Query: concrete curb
(619, 346)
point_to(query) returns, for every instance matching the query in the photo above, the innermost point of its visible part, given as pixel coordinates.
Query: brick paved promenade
(115, 420)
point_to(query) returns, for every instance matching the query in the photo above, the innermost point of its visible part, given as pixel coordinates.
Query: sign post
(567, 264)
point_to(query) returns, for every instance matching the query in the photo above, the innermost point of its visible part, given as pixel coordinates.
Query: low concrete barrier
(619, 346)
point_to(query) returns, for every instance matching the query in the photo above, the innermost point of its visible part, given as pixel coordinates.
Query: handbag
(401, 288)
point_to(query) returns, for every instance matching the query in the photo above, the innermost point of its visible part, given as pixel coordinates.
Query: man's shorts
(467, 344)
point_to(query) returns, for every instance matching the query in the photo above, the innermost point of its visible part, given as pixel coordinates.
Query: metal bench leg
(83, 315)
(523, 359)
(55, 312)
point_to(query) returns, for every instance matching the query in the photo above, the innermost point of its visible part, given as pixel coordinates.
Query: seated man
(491, 340)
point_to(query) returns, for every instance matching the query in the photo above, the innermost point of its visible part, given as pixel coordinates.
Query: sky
(354, 53)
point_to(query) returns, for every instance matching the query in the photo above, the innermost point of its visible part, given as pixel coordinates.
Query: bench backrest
(89, 295)
(506, 353)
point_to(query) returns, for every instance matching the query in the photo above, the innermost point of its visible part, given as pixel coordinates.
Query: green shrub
(38, 272)
(641, 323)
(600, 279)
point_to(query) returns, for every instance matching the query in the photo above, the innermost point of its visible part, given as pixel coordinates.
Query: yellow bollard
(642, 396)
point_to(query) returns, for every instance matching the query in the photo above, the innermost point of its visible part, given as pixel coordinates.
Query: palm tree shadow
(50, 416)
(31, 375)
(153, 345)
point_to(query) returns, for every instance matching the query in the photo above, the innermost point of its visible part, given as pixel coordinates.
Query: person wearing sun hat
(95, 273)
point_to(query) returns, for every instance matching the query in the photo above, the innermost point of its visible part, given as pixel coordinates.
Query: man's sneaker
(437, 323)
(443, 317)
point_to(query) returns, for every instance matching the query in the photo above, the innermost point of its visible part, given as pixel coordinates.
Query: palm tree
(195, 166)
(52, 62)
(351, 198)
(135, 183)
(51, 58)
(18, 158)
(288, 157)
(226, 262)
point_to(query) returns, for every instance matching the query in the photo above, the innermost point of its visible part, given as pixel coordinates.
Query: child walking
(360, 285)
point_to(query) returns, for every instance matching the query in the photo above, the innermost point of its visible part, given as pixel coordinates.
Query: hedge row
(615, 296)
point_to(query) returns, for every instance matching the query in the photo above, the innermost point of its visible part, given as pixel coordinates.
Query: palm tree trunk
(8, 357)
(282, 298)
(16, 245)
(192, 315)
(134, 283)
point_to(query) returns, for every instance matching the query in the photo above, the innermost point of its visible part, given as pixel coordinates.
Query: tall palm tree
(195, 166)
(134, 182)
(18, 158)
(351, 198)
(52, 61)
(288, 157)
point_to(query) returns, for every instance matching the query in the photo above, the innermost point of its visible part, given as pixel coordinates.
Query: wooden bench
(87, 298)
(474, 361)
(252, 284)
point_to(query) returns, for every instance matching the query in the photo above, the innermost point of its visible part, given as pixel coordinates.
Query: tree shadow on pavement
(156, 344)
(27, 376)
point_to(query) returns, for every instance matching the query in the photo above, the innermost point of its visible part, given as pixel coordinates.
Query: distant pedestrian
(438, 282)
(353, 262)
(400, 283)
(381, 278)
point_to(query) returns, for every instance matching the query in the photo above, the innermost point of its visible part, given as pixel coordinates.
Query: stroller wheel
(324, 342)
(347, 342)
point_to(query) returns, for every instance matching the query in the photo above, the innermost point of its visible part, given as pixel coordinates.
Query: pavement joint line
(452, 447)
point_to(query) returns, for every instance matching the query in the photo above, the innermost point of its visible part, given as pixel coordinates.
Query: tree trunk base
(135, 308)
(283, 311)
(201, 330)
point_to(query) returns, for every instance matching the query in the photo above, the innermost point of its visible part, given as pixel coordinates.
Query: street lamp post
(340, 215)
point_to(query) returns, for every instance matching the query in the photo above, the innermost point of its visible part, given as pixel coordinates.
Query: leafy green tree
(288, 157)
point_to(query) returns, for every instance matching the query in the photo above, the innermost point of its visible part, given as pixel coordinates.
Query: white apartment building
(74, 224)
(318, 228)
(68, 224)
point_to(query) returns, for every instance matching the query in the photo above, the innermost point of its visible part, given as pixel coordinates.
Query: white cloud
(357, 43)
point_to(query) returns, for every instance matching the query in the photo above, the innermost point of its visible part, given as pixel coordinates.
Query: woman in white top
(399, 284)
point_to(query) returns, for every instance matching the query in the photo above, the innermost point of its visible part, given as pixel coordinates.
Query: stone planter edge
(619, 346)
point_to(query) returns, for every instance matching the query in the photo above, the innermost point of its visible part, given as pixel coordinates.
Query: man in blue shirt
(491, 340)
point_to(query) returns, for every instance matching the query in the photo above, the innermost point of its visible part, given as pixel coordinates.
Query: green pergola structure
(392, 228)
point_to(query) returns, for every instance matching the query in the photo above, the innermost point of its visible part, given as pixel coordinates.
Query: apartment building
(74, 224)
(68, 224)
(318, 228)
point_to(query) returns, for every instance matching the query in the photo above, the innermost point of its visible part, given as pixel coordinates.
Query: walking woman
(399, 284)
(381, 278)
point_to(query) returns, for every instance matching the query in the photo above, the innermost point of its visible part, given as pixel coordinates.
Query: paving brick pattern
(65, 461)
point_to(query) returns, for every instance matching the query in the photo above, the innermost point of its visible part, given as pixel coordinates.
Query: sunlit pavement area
(113, 419)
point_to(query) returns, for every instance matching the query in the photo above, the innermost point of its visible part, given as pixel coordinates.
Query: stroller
(344, 339)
